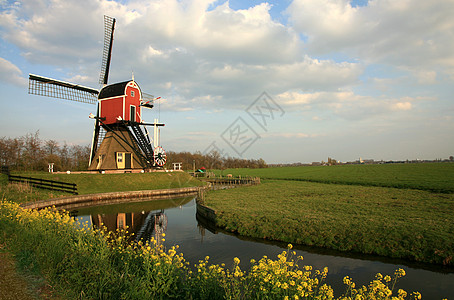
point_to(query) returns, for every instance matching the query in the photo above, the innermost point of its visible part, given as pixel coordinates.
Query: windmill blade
(43, 86)
(109, 26)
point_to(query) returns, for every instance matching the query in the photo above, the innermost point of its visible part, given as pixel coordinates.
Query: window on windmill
(120, 157)
(132, 94)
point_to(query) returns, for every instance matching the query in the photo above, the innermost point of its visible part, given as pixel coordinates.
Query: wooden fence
(46, 184)
(232, 182)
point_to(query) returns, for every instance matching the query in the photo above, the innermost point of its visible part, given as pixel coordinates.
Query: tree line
(31, 153)
(211, 160)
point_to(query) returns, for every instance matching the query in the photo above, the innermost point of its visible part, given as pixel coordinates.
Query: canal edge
(112, 198)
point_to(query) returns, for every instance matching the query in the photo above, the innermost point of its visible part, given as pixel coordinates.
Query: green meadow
(436, 177)
(96, 183)
(363, 214)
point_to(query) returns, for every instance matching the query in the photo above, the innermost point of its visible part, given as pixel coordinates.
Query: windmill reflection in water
(140, 226)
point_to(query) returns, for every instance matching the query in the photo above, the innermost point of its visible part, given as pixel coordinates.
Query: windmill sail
(109, 26)
(43, 86)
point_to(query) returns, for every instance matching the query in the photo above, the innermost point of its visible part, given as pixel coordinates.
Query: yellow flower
(236, 260)
(402, 293)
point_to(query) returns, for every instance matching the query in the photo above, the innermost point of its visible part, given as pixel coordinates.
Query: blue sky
(286, 81)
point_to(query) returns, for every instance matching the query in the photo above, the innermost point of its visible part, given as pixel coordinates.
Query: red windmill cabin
(121, 140)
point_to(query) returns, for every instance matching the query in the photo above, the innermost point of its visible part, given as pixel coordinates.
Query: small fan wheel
(160, 157)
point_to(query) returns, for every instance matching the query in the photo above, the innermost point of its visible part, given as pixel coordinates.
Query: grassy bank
(435, 177)
(87, 264)
(402, 223)
(22, 193)
(96, 183)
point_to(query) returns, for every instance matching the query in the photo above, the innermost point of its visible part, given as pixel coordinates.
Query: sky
(286, 81)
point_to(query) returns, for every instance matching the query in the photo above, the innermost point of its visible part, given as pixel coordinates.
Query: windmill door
(132, 113)
(124, 160)
(128, 163)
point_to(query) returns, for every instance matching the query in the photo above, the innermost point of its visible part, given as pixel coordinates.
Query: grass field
(95, 183)
(436, 177)
(413, 224)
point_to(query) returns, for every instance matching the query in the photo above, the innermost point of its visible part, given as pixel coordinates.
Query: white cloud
(289, 135)
(426, 77)
(150, 51)
(217, 57)
(11, 73)
(346, 104)
(412, 33)
(401, 106)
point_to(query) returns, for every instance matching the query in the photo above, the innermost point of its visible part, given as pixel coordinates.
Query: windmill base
(117, 152)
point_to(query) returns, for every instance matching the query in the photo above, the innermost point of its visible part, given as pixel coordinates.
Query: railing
(46, 184)
(217, 183)
(233, 181)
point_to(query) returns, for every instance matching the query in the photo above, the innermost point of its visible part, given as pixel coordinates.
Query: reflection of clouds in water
(336, 264)
(84, 220)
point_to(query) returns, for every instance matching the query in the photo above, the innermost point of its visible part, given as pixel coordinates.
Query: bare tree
(51, 147)
(32, 152)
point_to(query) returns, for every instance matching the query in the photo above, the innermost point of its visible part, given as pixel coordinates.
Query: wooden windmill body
(120, 137)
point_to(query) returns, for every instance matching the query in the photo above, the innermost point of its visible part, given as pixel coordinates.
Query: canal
(197, 239)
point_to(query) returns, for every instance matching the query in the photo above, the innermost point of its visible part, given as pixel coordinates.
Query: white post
(156, 134)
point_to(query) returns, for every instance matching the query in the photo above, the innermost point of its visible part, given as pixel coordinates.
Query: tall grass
(23, 192)
(90, 264)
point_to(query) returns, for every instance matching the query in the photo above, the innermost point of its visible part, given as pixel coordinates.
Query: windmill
(120, 137)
